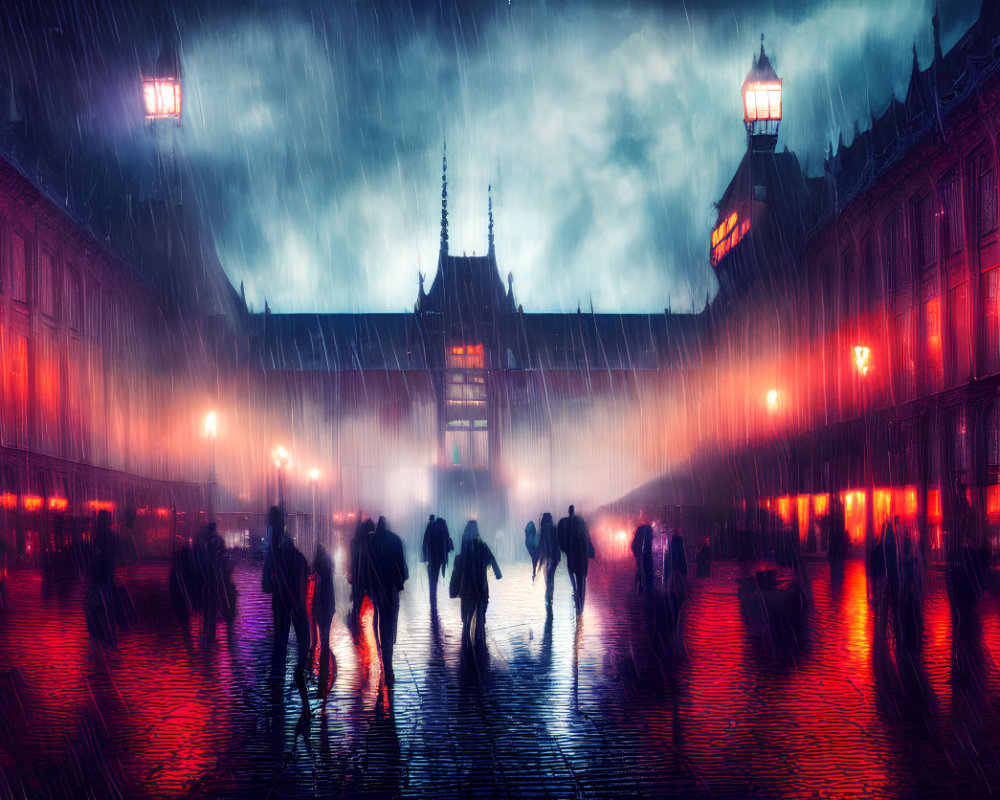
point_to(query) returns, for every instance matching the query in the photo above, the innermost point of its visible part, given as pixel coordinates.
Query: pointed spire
(444, 200)
(489, 195)
(916, 64)
(936, 24)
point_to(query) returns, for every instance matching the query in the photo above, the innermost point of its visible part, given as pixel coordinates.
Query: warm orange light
(854, 515)
(821, 504)
(314, 474)
(163, 513)
(162, 97)
(862, 359)
(8, 501)
(31, 502)
(58, 504)
(101, 505)
(211, 426)
(727, 235)
(280, 456)
(785, 509)
(802, 503)
(762, 101)
(772, 399)
(882, 510)
(993, 503)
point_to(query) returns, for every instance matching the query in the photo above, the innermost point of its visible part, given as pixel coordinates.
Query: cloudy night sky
(312, 131)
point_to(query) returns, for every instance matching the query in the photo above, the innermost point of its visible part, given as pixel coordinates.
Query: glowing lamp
(280, 456)
(862, 359)
(162, 98)
(211, 425)
(762, 103)
(772, 398)
(314, 474)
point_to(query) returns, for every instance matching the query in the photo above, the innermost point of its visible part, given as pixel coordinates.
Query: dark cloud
(313, 131)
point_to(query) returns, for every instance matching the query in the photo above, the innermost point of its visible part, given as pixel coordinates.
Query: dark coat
(389, 571)
(548, 542)
(324, 600)
(437, 543)
(574, 539)
(469, 580)
(642, 548)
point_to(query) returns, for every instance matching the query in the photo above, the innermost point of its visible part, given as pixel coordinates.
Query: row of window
(57, 292)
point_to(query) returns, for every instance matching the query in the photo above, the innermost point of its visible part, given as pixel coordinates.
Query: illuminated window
(16, 379)
(959, 349)
(933, 351)
(990, 356)
(762, 101)
(905, 367)
(466, 437)
(727, 235)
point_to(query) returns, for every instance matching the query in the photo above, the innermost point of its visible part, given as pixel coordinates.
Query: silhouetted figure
(324, 607)
(703, 561)
(574, 539)
(389, 573)
(101, 604)
(549, 555)
(469, 582)
(642, 549)
(837, 542)
(675, 579)
(437, 545)
(185, 586)
(285, 578)
(361, 570)
(910, 607)
(218, 593)
(531, 543)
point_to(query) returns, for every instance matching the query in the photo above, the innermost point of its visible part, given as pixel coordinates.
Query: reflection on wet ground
(556, 708)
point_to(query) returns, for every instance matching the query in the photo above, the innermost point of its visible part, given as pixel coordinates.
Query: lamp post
(211, 428)
(861, 360)
(280, 457)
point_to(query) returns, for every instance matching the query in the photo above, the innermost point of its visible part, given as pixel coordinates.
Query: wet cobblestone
(557, 708)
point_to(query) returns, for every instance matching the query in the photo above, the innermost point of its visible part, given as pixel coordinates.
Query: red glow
(993, 503)
(882, 510)
(8, 501)
(32, 502)
(469, 356)
(802, 501)
(785, 509)
(163, 513)
(854, 515)
(727, 235)
(934, 513)
(58, 504)
(862, 359)
(163, 98)
(101, 505)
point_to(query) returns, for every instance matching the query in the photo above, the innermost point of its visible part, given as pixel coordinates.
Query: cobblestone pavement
(559, 707)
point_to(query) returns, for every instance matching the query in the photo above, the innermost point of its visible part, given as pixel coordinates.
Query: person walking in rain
(434, 552)
(642, 549)
(324, 607)
(549, 555)
(360, 575)
(574, 539)
(531, 543)
(285, 578)
(389, 573)
(469, 582)
(675, 578)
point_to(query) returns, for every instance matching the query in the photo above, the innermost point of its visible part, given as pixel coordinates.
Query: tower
(762, 104)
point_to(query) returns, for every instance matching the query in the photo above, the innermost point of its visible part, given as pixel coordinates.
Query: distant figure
(216, 595)
(324, 607)
(910, 607)
(531, 543)
(469, 582)
(642, 549)
(675, 578)
(704, 561)
(389, 573)
(101, 601)
(549, 555)
(837, 542)
(434, 552)
(574, 539)
(285, 578)
(361, 570)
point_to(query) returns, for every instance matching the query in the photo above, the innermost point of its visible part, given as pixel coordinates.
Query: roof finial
(762, 45)
(444, 199)
(489, 195)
